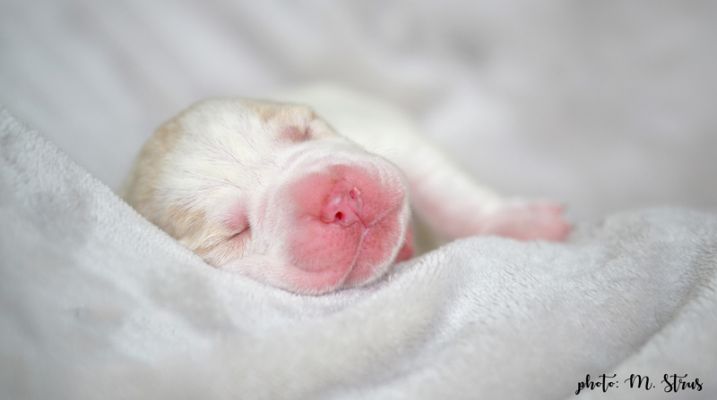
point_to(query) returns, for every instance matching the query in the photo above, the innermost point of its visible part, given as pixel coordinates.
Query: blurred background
(606, 105)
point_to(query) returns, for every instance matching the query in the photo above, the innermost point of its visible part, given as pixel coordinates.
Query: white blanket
(96, 303)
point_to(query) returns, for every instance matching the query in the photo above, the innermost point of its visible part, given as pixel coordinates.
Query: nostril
(343, 205)
(354, 193)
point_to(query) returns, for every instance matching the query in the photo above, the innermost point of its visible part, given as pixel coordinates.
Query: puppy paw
(529, 220)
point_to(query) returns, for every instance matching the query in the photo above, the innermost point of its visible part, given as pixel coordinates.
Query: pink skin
(529, 221)
(236, 219)
(513, 218)
(346, 227)
(409, 248)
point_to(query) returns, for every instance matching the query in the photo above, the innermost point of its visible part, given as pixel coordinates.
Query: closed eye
(240, 233)
(236, 222)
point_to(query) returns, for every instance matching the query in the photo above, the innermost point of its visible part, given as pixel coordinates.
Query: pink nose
(343, 205)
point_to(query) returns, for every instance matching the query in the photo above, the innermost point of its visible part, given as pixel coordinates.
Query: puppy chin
(358, 264)
(281, 273)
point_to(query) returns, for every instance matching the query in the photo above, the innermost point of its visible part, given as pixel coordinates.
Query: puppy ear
(295, 133)
(292, 122)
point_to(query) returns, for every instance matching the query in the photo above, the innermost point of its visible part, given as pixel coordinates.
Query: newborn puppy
(273, 191)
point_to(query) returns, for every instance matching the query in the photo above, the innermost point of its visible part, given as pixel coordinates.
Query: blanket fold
(95, 302)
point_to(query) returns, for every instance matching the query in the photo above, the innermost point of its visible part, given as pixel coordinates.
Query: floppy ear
(294, 133)
(291, 122)
(294, 122)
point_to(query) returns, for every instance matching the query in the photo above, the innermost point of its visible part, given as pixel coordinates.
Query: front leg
(454, 205)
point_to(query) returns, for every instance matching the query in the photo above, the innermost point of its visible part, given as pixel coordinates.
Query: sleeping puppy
(274, 191)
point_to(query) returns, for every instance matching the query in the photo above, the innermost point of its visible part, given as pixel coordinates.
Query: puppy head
(269, 190)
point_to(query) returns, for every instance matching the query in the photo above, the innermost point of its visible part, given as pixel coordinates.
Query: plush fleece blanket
(97, 303)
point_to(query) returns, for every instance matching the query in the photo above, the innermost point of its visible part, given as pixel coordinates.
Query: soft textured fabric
(95, 302)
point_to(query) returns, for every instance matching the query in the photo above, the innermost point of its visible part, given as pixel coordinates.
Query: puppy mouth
(356, 255)
(360, 270)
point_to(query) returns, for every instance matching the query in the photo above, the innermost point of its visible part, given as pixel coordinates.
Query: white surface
(606, 105)
(95, 302)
